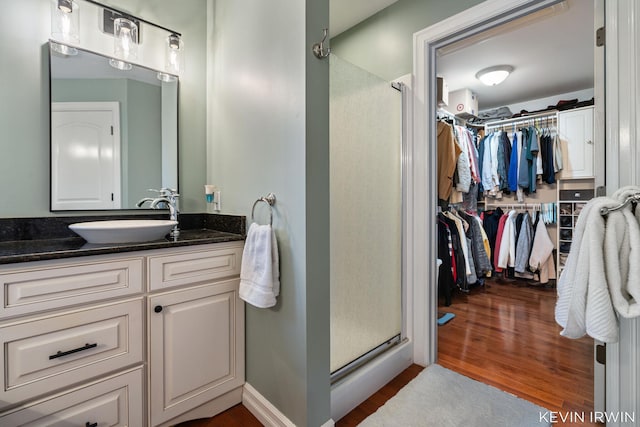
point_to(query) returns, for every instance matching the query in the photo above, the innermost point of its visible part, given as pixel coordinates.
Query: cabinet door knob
(157, 308)
(88, 424)
(590, 142)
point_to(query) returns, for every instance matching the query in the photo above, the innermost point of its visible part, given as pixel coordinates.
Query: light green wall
(383, 44)
(145, 142)
(24, 107)
(269, 133)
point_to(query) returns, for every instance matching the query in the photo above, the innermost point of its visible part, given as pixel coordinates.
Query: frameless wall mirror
(114, 133)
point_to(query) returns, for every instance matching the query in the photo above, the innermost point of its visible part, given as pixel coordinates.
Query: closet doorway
(503, 332)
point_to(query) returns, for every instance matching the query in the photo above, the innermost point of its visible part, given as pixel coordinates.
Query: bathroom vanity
(122, 334)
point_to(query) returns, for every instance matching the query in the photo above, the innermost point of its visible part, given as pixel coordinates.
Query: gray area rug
(440, 397)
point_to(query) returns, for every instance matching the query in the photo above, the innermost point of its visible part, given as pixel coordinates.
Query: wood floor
(504, 335)
(239, 416)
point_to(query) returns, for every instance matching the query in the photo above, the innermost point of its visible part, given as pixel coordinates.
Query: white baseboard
(264, 410)
(354, 389)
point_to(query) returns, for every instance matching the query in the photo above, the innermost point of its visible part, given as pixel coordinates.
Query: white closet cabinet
(575, 130)
(73, 334)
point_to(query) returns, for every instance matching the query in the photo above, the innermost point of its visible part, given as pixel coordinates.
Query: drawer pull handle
(75, 350)
(88, 424)
(157, 308)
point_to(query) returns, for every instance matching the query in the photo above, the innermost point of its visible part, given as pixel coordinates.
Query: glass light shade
(120, 65)
(174, 54)
(494, 75)
(125, 45)
(165, 77)
(65, 21)
(63, 49)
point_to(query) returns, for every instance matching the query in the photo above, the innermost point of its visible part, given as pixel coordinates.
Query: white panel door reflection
(85, 155)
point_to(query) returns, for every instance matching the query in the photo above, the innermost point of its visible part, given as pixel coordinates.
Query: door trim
(422, 231)
(623, 155)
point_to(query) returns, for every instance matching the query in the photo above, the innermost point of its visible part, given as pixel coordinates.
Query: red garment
(496, 252)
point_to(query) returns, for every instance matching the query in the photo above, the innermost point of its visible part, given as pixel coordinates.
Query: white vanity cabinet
(72, 334)
(145, 338)
(196, 333)
(575, 131)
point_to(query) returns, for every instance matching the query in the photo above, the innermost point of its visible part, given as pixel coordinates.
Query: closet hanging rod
(442, 111)
(515, 205)
(524, 119)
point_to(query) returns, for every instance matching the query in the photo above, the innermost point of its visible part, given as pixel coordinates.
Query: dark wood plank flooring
(372, 404)
(237, 416)
(504, 335)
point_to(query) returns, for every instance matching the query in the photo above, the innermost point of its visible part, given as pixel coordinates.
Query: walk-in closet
(516, 163)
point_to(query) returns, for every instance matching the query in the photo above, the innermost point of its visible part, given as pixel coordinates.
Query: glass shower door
(366, 213)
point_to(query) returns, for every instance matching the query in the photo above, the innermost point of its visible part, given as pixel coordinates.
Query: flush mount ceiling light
(494, 75)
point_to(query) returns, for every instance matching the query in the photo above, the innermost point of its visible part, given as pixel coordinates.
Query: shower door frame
(360, 383)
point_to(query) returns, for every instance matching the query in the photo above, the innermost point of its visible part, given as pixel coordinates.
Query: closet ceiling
(552, 52)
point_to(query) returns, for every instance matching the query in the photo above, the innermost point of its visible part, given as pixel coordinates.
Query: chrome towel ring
(269, 199)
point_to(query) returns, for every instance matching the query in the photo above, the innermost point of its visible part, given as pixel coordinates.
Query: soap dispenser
(212, 195)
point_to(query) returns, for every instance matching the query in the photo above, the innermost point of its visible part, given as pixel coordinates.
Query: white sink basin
(123, 231)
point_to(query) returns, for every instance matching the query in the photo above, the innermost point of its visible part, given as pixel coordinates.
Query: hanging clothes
(462, 226)
(523, 244)
(465, 140)
(478, 251)
(490, 222)
(531, 151)
(512, 174)
(507, 254)
(498, 246)
(448, 153)
(505, 162)
(447, 272)
(541, 258)
(458, 261)
(523, 156)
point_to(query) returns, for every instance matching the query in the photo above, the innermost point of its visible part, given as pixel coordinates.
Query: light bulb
(65, 21)
(125, 39)
(174, 54)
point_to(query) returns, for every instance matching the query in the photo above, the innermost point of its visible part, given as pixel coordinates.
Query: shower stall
(367, 299)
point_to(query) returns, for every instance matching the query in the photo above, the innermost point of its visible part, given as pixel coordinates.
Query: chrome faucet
(168, 197)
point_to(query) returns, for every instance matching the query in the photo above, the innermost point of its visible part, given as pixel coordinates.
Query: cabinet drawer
(195, 266)
(115, 401)
(58, 284)
(578, 194)
(48, 353)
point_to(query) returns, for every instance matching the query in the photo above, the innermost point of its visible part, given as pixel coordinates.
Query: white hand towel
(260, 272)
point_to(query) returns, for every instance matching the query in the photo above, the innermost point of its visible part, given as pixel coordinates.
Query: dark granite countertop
(35, 239)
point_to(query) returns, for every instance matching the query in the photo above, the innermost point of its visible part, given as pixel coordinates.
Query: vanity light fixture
(494, 75)
(174, 58)
(125, 44)
(65, 25)
(175, 49)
